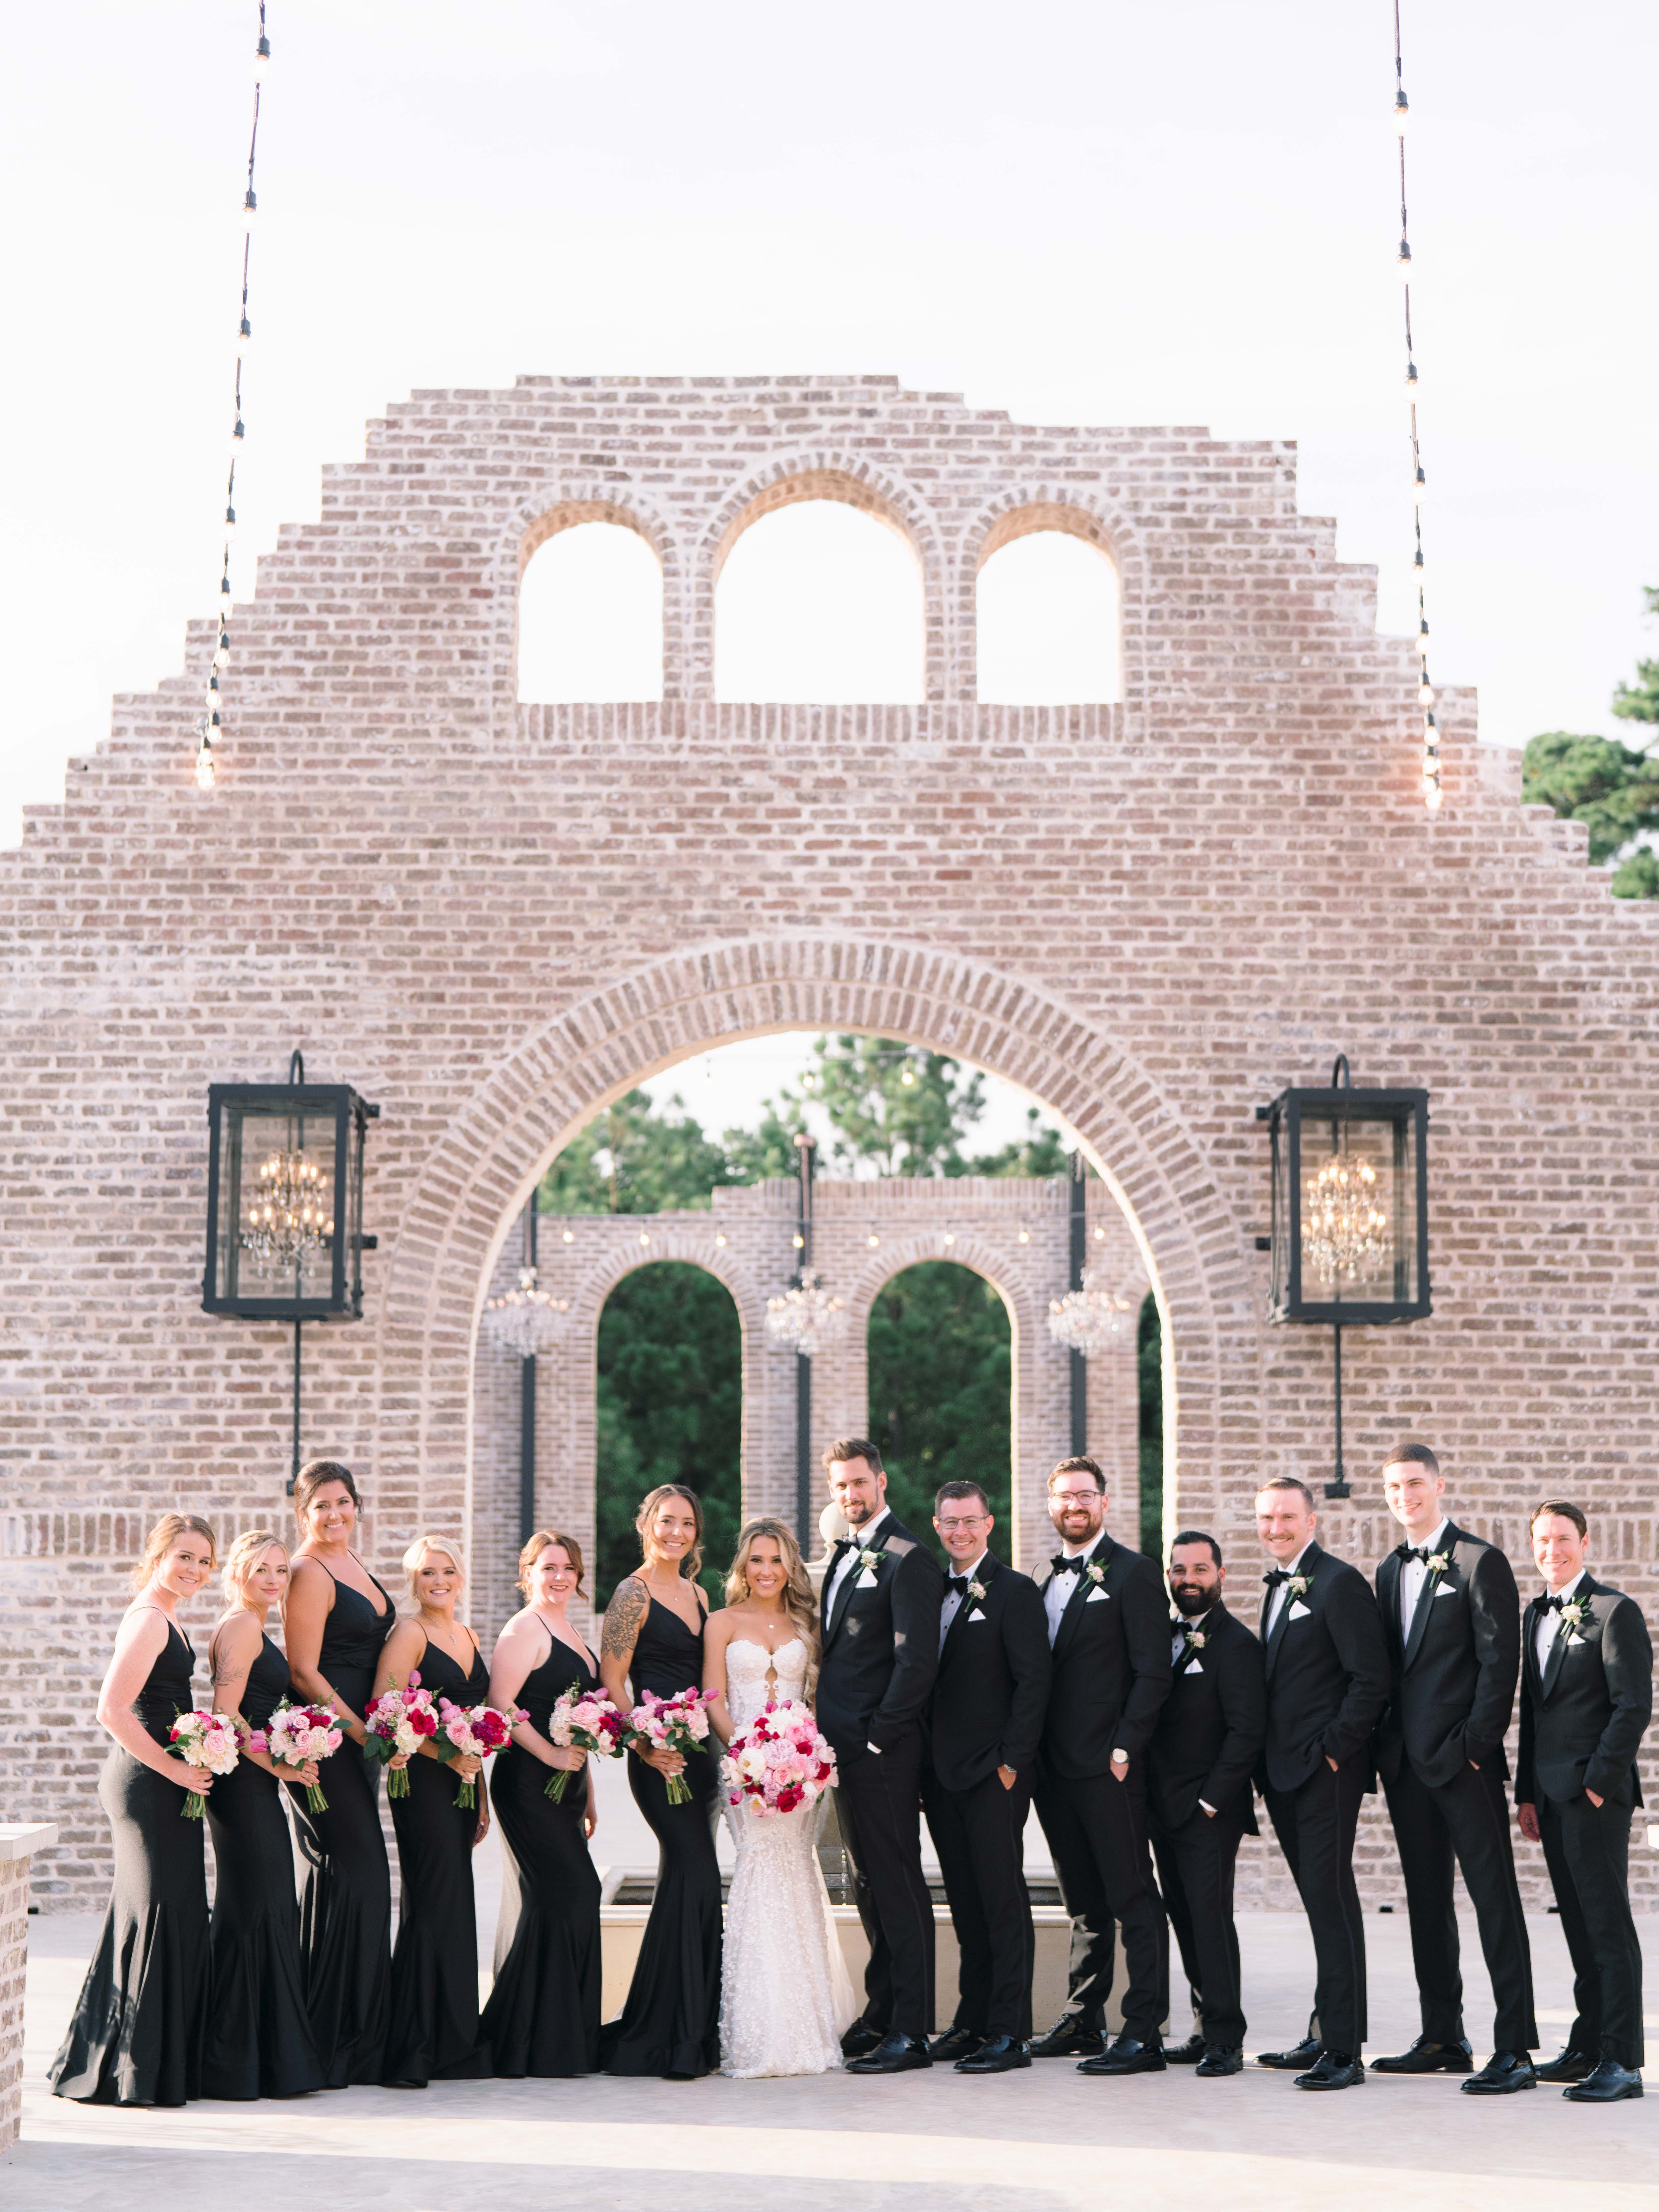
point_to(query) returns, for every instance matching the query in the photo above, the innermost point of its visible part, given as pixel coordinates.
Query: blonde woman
(260, 2042)
(136, 2038)
(785, 1995)
(434, 2034)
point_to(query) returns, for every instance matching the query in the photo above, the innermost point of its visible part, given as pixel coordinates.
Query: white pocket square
(866, 1580)
(1445, 1590)
(1573, 1636)
(977, 1614)
(1298, 1611)
(1097, 1597)
(1192, 1667)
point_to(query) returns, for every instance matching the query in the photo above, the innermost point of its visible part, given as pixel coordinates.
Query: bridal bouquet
(583, 1721)
(207, 1740)
(294, 1734)
(399, 1720)
(677, 1723)
(479, 1730)
(779, 1761)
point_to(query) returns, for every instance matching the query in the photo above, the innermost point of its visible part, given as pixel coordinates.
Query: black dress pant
(1587, 1850)
(878, 1805)
(1315, 1825)
(979, 1836)
(1468, 1816)
(1195, 1866)
(1097, 1831)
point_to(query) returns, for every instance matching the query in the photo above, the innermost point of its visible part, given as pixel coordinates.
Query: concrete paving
(1048, 2141)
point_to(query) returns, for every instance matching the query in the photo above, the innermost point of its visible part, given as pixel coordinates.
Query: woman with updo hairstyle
(260, 2042)
(542, 2017)
(136, 2038)
(335, 1621)
(433, 2035)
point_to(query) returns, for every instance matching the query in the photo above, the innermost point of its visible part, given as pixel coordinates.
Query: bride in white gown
(785, 1995)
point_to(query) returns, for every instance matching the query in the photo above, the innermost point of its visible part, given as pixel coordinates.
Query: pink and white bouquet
(295, 1733)
(780, 1760)
(677, 1723)
(208, 1741)
(398, 1721)
(475, 1730)
(583, 1720)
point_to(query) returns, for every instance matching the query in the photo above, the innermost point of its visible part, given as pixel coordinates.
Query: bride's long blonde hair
(798, 1601)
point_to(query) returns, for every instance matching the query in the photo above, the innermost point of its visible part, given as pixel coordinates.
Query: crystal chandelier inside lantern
(1087, 1321)
(806, 1319)
(526, 1321)
(289, 1214)
(1345, 1231)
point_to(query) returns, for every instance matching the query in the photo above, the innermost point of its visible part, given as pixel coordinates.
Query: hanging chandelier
(289, 1213)
(526, 1321)
(1088, 1319)
(1344, 1230)
(806, 1319)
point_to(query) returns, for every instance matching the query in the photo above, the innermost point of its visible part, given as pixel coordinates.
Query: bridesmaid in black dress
(335, 1622)
(542, 2017)
(653, 1635)
(136, 2038)
(260, 2042)
(434, 1969)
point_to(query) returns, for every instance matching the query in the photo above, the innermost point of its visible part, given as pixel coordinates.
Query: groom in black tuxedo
(880, 1615)
(1452, 1617)
(981, 1734)
(1586, 1699)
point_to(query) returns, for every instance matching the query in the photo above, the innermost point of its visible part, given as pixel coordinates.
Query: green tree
(897, 1107)
(1640, 702)
(1041, 1151)
(633, 1158)
(1149, 1339)
(939, 1376)
(1611, 787)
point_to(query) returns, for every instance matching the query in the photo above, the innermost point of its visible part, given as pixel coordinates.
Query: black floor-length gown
(260, 2042)
(670, 2024)
(433, 2035)
(136, 2035)
(542, 2017)
(346, 1922)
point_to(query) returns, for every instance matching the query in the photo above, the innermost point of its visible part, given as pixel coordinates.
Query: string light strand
(210, 722)
(1432, 793)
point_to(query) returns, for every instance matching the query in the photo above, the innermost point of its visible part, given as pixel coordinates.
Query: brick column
(19, 1840)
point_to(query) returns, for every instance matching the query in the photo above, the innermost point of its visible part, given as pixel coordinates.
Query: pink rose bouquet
(207, 1741)
(583, 1721)
(398, 1721)
(477, 1730)
(294, 1734)
(780, 1760)
(677, 1723)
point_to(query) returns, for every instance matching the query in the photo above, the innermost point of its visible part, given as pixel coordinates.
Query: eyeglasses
(952, 1528)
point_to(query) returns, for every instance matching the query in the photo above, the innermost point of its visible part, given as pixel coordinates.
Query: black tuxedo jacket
(880, 1647)
(1111, 1664)
(992, 1688)
(1326, 1665)
(1452, 1676)
(1210, 1731)
(1582, 1720)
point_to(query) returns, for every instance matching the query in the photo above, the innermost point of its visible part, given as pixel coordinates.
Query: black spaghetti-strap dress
(136, 2038)
(260, 2042)
(670, 2024)
(433, 2036)
(542, 2017)
(346, 1919)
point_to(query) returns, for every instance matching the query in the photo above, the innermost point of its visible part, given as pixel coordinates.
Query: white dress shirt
(861, 1541)
(1057, 1594)
(1177, 1639)
(1412, 1576)
(1282, 1590)
(1549, 1625)
(953, 1599)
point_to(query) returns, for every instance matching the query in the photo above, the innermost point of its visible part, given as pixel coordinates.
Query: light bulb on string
(1403, 261)
(908, 1077)
(238, 439)
(244, 339)
(230, 522)
(1420, 487)
(1402, 112)
(1423, 639)
(1413, 379)
(1426, 691)
(1432, 795)
(250, 207)
(261, 59)
(1417, 561)
(221, 651)
(205, 770)
(224, 596)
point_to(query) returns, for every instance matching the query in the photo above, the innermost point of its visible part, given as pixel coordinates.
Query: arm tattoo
(622, 1617)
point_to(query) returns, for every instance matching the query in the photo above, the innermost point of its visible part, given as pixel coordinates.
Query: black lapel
(1068, 1619)
(1558, 1649)
(1530, 1645)
(988, 1571)
(1424, 1599)
(843, 1598)
(1388, 1599)
(1290, 1599)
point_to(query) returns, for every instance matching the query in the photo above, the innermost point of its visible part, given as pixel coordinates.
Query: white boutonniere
(1575, 1613)
(870, 1560)
(1095, 1571)
(1437, 1562)
(1197, 1639)
(1298, 1585)
(976, 1591)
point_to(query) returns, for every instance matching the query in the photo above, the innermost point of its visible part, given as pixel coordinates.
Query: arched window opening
(819, 602)
(1049, 622)
(590, 616)
(670, 1409)
(941, 1374)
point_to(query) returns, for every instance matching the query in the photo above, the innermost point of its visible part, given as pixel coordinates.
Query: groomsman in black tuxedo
(1452, 1617)
(1327, 1680)
(1108, 1630)
(1199, 1765)
(981, 1734)
(1586, 1699)
(879, 1645)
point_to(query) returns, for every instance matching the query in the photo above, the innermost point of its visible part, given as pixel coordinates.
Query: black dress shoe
(1306, 2053)
(1126, 2055)
(1568, 2065)
(998, 2054)
(954, 2043)
(1070, 2037)
(861, 2038)
(1220, 2059)
(1187, 2053)
(894, 2054)
(1335, 2070)
(1502, 2073)
(1609, 2082)
(1428, 2057)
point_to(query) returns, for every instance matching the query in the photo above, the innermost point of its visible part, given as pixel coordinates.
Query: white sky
(1079, 210)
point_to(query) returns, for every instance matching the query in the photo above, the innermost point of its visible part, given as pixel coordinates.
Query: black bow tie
(1554, 1604)
(1412, 1552)
(1062, 1565)
(1183, 1626)
(1275, 1576)
(959, 1583)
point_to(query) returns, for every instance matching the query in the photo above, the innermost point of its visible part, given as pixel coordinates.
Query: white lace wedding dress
(785, 1995)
